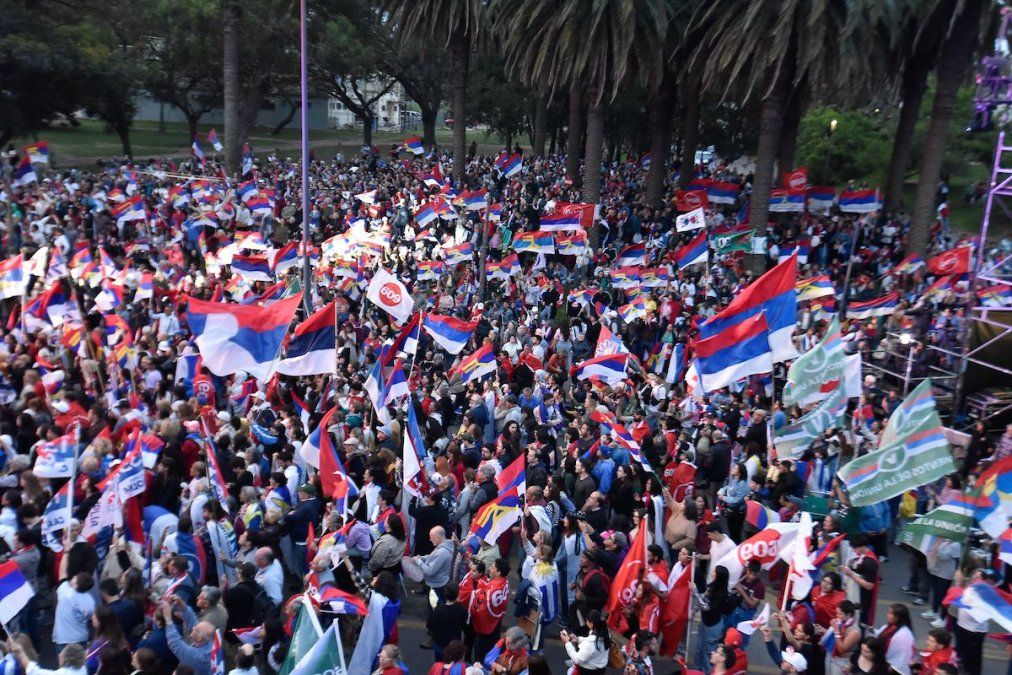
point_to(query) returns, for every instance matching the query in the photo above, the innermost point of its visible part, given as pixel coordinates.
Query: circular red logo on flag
(692, 200)
(390, 294)
(796, 181)
(948, 261)
(763, 547)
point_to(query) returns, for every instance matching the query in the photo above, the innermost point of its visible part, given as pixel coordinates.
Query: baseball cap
(795, 659)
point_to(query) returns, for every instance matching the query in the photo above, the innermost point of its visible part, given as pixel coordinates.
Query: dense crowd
(217, 562)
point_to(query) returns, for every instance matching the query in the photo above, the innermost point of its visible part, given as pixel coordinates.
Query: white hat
(61, 406)
(163, 346)
(224, 416)
(260, 395)
(795, 659)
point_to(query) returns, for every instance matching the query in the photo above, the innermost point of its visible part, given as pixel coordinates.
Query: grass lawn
(83, 145)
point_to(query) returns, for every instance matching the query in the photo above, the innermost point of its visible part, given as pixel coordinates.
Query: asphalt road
(894, 576)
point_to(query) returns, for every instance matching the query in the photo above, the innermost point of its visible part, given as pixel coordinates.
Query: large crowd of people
(235, 537)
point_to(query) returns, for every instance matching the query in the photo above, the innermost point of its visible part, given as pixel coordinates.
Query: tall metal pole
(307, 272)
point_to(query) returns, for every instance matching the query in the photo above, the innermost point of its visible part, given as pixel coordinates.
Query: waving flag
(867, 309)
(623, 586)
(12, 277)
(512, 165)
(759, 516)
(738, 351)
(792, 439)
(774, 294)
(767, 547)
(993, 506)
(954, 261)
(787, 201)
(821, 198)
(450, 333)
(637, 309)
(212, 138)
(696, 251)
(691, 200)
(534, 242)
(341, 602)
(312, 349)
(503, 269)
(631, 255)
(913, 451)
(693, 220)
(609, 368)
(15, 591)
(284, 258)
(477, 365)
(430, 270)
(815, 287)
(197, 151)
(571, 243)
(24, 172)
(55, 518)
(817, 372)
(474, 201)
(626, 277)
(390, 295)
(569, 216)
(38, 153)
(413, 458)
(908, 265)
(984, 602)
(454, 255)
(859, 201)
(413, 145)
(252, 267)
(55, 459)
(724, 243)
(722, 193)
(240, 337)
(799, 247)
(496, 517)
(951, 521)
(406, 340)
(997, 295)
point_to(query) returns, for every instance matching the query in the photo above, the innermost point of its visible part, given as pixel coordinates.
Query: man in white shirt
(270, 576)
(74, 607)
(720, 545)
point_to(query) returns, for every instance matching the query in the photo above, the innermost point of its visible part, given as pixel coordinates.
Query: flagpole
(688, 625)
(73, 475)
(304, 77)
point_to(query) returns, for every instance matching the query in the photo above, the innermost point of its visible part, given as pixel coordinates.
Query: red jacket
(486, 600)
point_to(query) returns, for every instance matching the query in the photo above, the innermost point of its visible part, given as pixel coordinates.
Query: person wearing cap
(298, 520)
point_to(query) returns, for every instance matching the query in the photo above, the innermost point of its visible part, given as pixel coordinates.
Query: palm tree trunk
(461, 58)
(791, 121)
(769, 139)
(953, 61)
(690, 133)
(592, 165)
(915, 81)
(429, 125)
(551, 146)
(575, 133)
(231, 13)
(660, 141)
(540, 125)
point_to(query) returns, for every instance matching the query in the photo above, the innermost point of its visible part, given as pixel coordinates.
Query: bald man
(196, 651)
(436, 565)
(270, 575)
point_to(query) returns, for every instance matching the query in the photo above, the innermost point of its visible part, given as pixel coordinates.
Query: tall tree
(184, 56)
(574, 137)
(422, 69)
(457, 24)
(771, 49)
(954, 63)
(594, 46)
(231, 23)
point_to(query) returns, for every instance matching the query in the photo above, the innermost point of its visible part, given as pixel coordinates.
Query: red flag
(675, 615)
(623, 587)
(690, 200)
(796, 179)
(953, 261)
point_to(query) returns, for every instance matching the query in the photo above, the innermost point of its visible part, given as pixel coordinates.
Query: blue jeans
(740, 613)
(707, 640)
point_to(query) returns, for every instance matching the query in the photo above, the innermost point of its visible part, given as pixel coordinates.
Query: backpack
(263, 606)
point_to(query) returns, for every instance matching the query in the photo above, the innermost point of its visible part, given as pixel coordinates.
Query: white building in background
(391, 109)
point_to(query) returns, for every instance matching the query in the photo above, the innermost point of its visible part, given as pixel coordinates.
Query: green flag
(915, 453)
(305, 635)
(810, 377)
(732, 241)
(325, 658)
(948, 521)
(791, 440)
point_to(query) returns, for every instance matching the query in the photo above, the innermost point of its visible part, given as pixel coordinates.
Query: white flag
(693, 220)
(390, 295)
(752, 625)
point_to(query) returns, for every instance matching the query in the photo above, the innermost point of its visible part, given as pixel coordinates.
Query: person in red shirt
(937, 650)
(203, 388)
(486, 606)
(389, 661)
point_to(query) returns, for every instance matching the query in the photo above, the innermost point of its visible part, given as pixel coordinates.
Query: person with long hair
(567, 560)
(732, 496)
(452, 661)
(870, 658)
(826, 597)
(589, 653)
(715, 604)
(844, 634)
(388, 550)
(108, 633)
(898, 636)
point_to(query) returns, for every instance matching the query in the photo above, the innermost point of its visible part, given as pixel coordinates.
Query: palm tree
(457, 24)
(775, 49)
(231, 14)
(954, 62)
(587, 47)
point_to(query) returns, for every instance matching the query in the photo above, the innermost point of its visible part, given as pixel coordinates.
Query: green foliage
(498, 102)
(731, 128)
(857, 150)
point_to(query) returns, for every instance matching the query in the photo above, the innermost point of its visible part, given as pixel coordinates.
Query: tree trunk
(231, 13)
(769, 137)
(953, 63)
(794, 110)
(690, 133)
(367, 121)
(429, 125)
(592, 164)
(191, 123)
(915, 81)
(555, 138)
(575, 133)
(292, 109)
(660, 141)
(123, 131)
(540, 125)
(461, 52)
